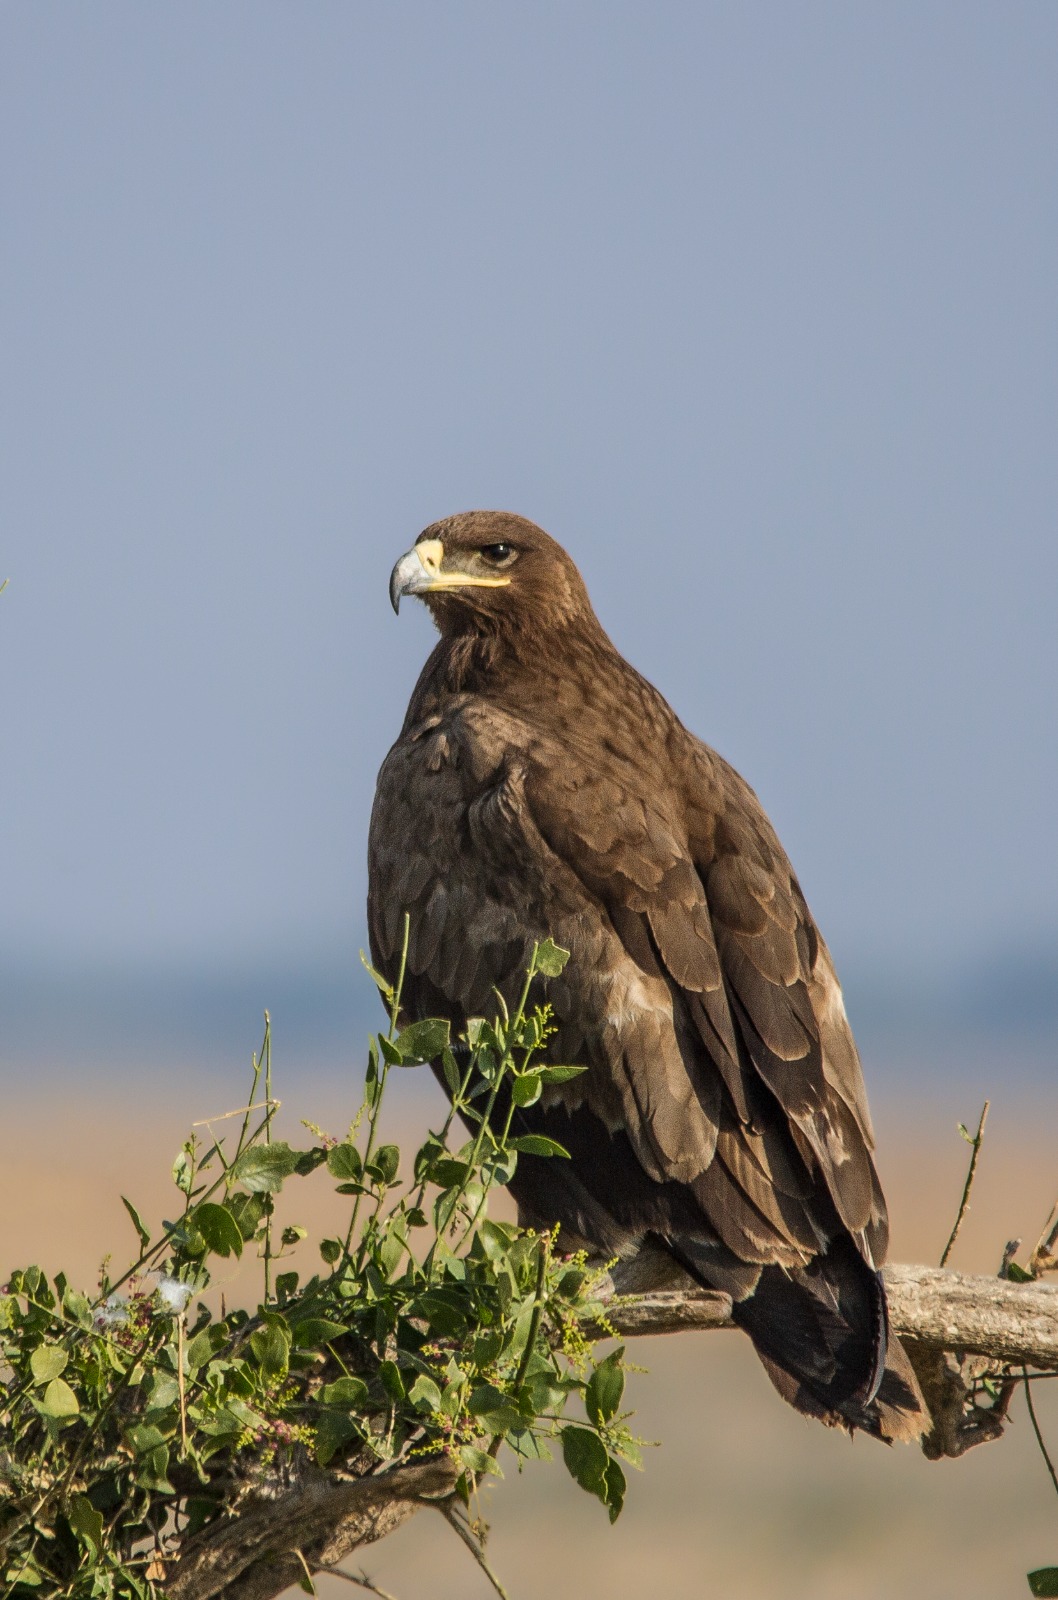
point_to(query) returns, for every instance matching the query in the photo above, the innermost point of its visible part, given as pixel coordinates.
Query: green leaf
(477, 1461)
(391, 1247)
(613, 1488)
(496, 1238)
(137, 1223)
(347, 1394)
(183, 1170)
(385, 989)
(605, 1388)
(23, 1574)
(484, 1398)
(1044, 1582)
(219, 1229)
(424, 1394)
(486, 1347)
(271, 1349)
(202, 1346)
(312, 1332)
(525, 1090)
(332, 1431)
(585, 1456)
(247, 1209)
(444, 1310)
(525, 1443)
(537, 1144)
(59, 1400)
(560, 1074)
(450, 1069)
(86, 1522)
(423, 1041)
(500, 1169)
(78, 1307)
(392, 1382)
(330, 1250)
(309, 1160)
(448, 1172)
(344, 1163)
(550, 958)
(1018, 1274)
(164, 1391)
(46, 1362)
(384, 1163)
(390, 1052)
(263, 1167)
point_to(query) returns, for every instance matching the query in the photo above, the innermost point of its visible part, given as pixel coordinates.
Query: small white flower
(173, 1294)
(113, 1313)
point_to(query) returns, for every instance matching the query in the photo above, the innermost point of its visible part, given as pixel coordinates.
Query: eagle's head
(490, 572)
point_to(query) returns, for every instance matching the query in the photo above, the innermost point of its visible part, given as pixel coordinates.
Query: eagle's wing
(725, 1032)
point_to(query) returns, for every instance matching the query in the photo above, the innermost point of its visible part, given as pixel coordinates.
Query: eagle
(541, 788)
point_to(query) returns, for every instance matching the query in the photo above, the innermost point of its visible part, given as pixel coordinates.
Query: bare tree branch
(1006, 1321)
(254, 1554)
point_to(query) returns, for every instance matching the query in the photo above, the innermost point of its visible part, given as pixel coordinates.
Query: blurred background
(753, 308)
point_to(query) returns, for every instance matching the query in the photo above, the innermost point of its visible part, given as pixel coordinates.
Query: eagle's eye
(499, 555)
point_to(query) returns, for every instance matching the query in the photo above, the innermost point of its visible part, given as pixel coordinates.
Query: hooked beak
(420, 572)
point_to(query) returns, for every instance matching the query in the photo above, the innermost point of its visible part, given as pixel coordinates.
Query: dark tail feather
(822, 1333)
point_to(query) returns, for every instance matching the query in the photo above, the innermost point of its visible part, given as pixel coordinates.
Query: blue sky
(753, 307)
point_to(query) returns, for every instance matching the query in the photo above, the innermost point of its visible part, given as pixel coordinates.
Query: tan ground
(741, 1497)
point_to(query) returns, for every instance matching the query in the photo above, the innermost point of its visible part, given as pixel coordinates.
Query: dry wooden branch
(254, 1555)
(945, 1317)
(1005, 1321)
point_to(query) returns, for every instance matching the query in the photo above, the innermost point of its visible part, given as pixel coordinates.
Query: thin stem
(457, 1100)
(488, 1181)
(307, 1571)
(181, 1383)
(1036, 1427)
(964, 1203)
(362, 1582)
(502, 1066)
(451, 1516)
(257, 1064)
(266, 1052)
(380, 1085)
(399, 990)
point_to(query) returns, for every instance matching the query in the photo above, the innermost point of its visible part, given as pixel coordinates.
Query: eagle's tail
(822, 1334)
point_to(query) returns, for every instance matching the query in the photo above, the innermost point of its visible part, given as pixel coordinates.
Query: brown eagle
(541, 788)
